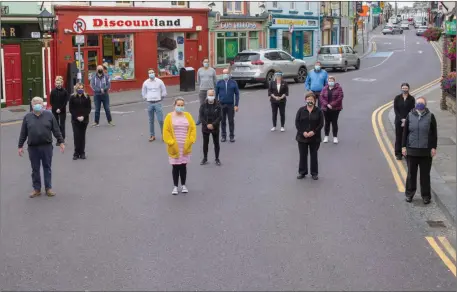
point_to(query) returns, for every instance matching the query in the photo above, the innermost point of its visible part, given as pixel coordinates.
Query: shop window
(306, 6)
(123, 3)
(179, 4)
(253, 40)
(92, 40)
(275, 4)
(286, 41)
(234, 6)
(118, 54)
(292, 5)
(229, 44)
(170, 53)
(307, 43)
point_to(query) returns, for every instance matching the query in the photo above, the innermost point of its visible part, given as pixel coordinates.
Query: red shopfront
(129, 41)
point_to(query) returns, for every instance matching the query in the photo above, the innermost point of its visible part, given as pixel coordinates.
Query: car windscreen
(329, 50)
(423, 27)
(387, 27)
(247, 57)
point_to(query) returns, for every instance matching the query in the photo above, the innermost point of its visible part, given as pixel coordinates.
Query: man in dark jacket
(228, 94)
(101, 84)
(403, 104)
(59, 98)
(37, 128)
(210, 115)
(420, 139)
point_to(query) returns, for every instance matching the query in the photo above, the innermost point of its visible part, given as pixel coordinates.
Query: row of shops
(130, 40)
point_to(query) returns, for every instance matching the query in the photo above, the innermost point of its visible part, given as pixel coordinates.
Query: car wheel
(384, 33)
(401, 32)
(357, 66)
(269, 78)
(301, 76)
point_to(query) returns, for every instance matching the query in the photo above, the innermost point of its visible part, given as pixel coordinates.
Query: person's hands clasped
(433, 152)
(329, 106)
(210, 126)
(403, 151)
(58, 111)
(80, 118)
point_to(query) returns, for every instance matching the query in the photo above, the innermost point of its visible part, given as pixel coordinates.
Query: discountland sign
(94, 23)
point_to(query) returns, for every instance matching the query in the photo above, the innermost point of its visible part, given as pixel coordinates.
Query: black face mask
(100, 71)
(310, 103)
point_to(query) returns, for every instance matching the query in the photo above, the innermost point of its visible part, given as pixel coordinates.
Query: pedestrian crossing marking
(442, 254)
(380, 55)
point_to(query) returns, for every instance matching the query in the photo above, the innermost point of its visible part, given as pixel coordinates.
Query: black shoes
(315, 177)
(232, 140)
(223, 139)
(218, 162)
(301, 176)
(82, 156)
(426, 201)
(75, 157)
(204, 161)
(409, 199)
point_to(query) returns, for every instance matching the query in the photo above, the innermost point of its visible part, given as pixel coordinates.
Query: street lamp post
(46, 21)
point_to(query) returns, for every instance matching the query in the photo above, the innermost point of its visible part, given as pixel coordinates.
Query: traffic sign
(79, 39)
(79, 26)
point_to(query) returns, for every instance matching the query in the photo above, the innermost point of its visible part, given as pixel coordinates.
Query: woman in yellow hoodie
(179, 133)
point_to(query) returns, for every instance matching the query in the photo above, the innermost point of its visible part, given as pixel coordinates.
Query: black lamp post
(46, 20)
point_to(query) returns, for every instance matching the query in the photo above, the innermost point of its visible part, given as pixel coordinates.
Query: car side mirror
(293, 59)
(355, 52)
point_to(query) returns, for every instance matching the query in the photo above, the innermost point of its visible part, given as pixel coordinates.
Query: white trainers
(174, 191)
(326, 139)
(273, 129)
(184, 190)
(335, 140)
(282, 129)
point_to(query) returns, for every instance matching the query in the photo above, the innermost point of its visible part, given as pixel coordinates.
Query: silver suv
(338, 57)
(259, 66)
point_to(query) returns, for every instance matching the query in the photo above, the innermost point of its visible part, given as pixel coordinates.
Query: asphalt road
(246, 225)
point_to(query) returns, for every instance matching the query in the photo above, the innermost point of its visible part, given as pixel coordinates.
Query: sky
(401, 4)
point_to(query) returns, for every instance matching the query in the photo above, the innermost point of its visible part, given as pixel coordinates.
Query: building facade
(330, 22)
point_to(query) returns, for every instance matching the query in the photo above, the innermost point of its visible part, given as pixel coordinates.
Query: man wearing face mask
(228, 94)
(316, 80)
(210, 115)
(154, 91)
(37, 128)
(420, 139)
(101, 84)
(206, 80)
(59, 98)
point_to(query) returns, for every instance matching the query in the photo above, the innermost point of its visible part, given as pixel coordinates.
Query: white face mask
(210, 98)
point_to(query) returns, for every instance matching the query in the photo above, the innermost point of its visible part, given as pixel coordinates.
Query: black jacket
(210, 114)
(38, 130)
(59, 99)
(80, 106)
(402, 107)
(413, 138)
(307, 122)
(273, 89)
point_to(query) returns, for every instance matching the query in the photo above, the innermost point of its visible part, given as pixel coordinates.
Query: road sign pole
(79, 77)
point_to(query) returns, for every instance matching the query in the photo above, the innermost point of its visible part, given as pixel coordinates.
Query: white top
(153, 90)
(278, 86)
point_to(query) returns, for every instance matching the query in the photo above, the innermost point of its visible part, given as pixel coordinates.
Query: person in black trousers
(420, 139)
(210, 116)
(80, 107)
(59, 98)
(278, 90)
(309, 122)
(403, 104)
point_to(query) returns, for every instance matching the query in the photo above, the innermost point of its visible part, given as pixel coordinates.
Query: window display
(118, 52)
(170, 53)
(228, 45)
(307, 43)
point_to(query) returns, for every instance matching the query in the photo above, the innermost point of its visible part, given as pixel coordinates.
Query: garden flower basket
(433, 34)
(449, 50)
(448, 83)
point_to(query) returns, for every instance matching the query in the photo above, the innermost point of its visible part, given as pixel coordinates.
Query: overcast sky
(401, 4)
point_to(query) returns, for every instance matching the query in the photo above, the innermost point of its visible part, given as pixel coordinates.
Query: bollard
(30, 98)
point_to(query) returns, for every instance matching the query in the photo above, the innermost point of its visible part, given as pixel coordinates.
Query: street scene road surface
(248, 224)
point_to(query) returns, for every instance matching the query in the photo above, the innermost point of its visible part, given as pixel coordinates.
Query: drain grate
(445, 141)
(17, 110)
(436, 224)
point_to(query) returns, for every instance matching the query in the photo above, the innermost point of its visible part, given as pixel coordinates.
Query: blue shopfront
(296, 35)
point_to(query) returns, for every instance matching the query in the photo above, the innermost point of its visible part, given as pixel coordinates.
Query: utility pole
(396, 9)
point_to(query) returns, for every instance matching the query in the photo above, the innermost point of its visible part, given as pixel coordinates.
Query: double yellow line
(445, 251)
(438, 51)
(397, 167)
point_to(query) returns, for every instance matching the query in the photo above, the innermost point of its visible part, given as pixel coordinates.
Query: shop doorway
(191, 54)
(90, 59)
(13, 74)
(32, 70)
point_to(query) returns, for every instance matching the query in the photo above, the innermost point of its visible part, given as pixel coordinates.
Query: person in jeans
(101, 84)
(420, 139)
(37, 128)
(309, 122)
(316, 80)
(331, 104)
(154, 91)
(228, 94)
(206, 80)
(80, 107)
(210, 114)
(59, 98)
(278, 90)
(179, 133)
(403, 104)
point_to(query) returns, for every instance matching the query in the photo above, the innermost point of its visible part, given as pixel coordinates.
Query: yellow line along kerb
(442, 255)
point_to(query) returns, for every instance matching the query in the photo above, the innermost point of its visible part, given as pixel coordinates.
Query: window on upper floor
(179, 4)
(293, 5)
(307, 6)
(124, 3)
(234, 7)
(275, 4)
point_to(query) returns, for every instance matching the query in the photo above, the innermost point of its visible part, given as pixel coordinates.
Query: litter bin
(187, 79)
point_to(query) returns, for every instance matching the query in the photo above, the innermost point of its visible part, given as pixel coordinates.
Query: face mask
(206, 65)
(331, 84)
(80, 91)
(225, 76)
(310, 103)
(59, 86)
(420, 106)
(100, 71)
(317, 68)
(38, 107)
(152, 76)
(179, 109)
(405, 91)
(210, 98)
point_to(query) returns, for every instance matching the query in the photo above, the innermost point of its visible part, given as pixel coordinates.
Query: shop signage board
(100, 23)
(294, 22)
(377, 10)
(450, 27)
(237, 25)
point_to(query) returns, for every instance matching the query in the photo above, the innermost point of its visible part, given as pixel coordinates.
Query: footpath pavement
(443, 173)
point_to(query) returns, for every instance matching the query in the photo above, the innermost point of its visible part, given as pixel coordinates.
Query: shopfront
(131, 42)
(228, 37)
(297, 36)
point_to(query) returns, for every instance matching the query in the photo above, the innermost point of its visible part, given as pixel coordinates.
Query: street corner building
(129, 41)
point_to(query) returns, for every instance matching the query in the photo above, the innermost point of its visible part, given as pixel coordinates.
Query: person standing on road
(154, 91)
(403, 104)
(80, 107)
(206, 80)
(228, 94)
(331, 101)
(420, 139)
(316, 80)
(309, 122)
(101, 84)
(179, 133)
(210, 115)
(37, 128)
(278, 90)
(59, 98)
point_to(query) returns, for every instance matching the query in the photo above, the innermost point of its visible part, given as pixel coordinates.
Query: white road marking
(404, 42)
(364, 79)
(420, 52)
(417, 43)
(115, 112)
(387, 43)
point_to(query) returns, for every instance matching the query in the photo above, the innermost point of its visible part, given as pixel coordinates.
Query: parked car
(420, 30)
(259, 66)
(338, 57)
(391, 29)
(404, 25)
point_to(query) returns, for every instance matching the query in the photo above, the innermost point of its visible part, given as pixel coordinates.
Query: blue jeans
(41, 155)
(157, 109)
(98, 100)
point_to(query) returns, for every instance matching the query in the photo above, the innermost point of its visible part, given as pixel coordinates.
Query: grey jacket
(420, 133)
(98, 83)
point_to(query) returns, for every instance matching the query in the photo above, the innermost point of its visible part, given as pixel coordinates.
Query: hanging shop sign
(16, 30)
(450, 27)
(237, 25)
(94, 23)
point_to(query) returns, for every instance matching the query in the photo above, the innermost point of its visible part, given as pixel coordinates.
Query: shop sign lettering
(9, 32)
(136, 22)
(294, 22)
(238, 25)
